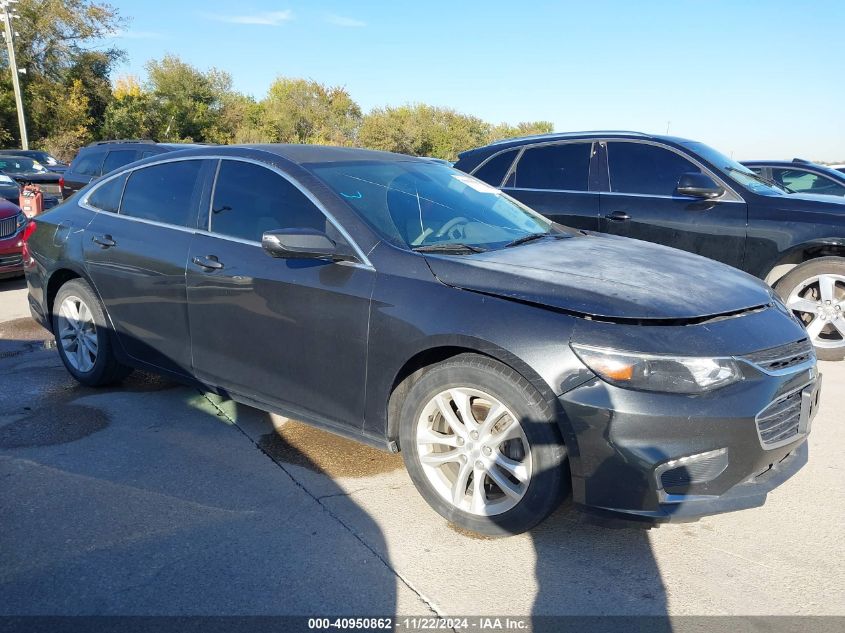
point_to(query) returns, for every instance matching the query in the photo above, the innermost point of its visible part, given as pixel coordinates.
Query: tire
(815, 292)
(533, 450)
(89, 356)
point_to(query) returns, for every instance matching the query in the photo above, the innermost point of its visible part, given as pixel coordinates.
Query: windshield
(19, 165)
(737, 171)
(415, 204)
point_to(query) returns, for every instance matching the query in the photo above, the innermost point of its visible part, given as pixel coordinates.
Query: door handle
(103, 241)
(209, 262)
(618, 216)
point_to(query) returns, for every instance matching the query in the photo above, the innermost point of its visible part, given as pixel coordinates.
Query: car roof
(303, 154)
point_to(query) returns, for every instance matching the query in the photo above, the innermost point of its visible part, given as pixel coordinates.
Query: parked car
(10, 190)
(12, 221)
(687, 195)
(838, 167)
(101, 157)
(800, 176)
(44, 158)
(26, 170)
(408, 305)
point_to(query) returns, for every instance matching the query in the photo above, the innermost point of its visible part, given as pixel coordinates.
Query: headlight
(672, 374)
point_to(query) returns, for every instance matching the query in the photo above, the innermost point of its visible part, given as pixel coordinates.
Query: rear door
(555, 179)
(287, 332)
(137, 257)
(642, 203)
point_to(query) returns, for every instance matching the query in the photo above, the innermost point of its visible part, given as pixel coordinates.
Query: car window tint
(802, 181)
(146, 154)
(118, 158)
(493, 171)
(106, 197)
(565, 166)
(163, 193)
(250, 200)
(88, 164)
(645, 169)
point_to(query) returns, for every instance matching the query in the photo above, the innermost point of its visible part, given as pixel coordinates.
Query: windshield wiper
(530, 238)
(454, 248)
(763, 179)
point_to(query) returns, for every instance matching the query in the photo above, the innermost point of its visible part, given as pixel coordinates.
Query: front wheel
(815, 292)
(481, 446)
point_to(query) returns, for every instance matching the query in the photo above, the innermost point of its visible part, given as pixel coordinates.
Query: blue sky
(754, 79)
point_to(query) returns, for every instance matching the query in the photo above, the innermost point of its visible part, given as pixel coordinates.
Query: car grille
(8, 227)
(10, 260)
(779, 421)
(783, 356)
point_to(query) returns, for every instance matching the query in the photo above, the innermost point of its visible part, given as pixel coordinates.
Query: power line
(8, 14)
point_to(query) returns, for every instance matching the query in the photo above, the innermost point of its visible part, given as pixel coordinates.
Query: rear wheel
(815, 292)
(482, 447)
(82, 337)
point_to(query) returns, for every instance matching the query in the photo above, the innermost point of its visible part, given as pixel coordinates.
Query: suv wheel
(815, 292)
(82, 336)
(482, 447)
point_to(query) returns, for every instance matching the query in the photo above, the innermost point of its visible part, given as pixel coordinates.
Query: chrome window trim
(365, 261)
(534, 189)
(663, 197)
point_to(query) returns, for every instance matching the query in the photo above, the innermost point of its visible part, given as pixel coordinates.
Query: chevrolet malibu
(513, 361)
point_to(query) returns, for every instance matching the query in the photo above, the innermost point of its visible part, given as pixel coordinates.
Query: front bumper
(666, 457)
(11, 262)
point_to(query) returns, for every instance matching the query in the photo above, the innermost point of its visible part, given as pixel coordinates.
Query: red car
(12, 221)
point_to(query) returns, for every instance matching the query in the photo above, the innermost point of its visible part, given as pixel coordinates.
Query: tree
(131, 112)
(73, 123)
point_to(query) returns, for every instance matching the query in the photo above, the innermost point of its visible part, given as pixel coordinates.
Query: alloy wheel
(819, 301)
(77, 334)
(474, 451)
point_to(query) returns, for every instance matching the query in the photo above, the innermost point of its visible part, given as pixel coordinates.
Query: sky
(755, 79)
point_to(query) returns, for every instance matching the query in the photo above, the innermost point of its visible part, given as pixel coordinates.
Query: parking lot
(154, 498)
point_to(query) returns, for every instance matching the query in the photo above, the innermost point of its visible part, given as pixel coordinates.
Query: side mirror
(302, 244)
(698, 185)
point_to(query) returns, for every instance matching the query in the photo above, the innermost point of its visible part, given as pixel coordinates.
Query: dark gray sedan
(400, 302)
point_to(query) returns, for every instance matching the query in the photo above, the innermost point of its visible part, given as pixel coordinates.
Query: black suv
(101, 157)
(800, 176)
(684, 194)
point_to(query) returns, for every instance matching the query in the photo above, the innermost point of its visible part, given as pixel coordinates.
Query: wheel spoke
(430, 436)
(80, 356)
(839, 324)
(515, 468)
(459, 487)
(800, 304)
(827, 288)
(505, 485)
(815, 327)
(90, 340)
(494, 415)
(464, 405)
(438, 459)
(449, 416)
(479, 495)
(512, 432)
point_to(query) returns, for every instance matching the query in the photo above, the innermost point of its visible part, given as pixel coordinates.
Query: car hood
(607, 277)
(8, 210)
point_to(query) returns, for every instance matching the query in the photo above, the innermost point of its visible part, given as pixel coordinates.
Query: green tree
(131, 112)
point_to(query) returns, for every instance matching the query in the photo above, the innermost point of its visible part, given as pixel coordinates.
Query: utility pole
(13, 66)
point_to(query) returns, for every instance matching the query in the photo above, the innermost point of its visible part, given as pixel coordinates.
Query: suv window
(163, 193)
(88, 164)
(802, 181)
(107, 197)
(118, 158)
(250, 199)
(565, 166)
(493, 171)
(645, 169)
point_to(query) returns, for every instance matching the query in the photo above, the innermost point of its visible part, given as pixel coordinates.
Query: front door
(642, 203)
(286, 332)
(136, 249)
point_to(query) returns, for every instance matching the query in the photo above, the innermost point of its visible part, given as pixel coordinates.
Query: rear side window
(163, 193)
(88, 164)
(645, 169)
(118, 158)
(106, 197)
(565, 166)
(250, 200)
(493, 171)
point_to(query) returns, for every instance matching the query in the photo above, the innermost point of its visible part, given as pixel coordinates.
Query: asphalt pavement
(154, 498)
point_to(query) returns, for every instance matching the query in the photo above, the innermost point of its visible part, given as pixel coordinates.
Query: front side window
(163, 193)
(564, 167)
(645, 169)
(250, 200)
(493, 171)
(118, 158)
(802, 181)
(106, 197)
(415, 204)
(88, 164)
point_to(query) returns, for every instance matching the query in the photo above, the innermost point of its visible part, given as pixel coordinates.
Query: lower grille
(779, 421)
(695, 472)
(10, 260)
